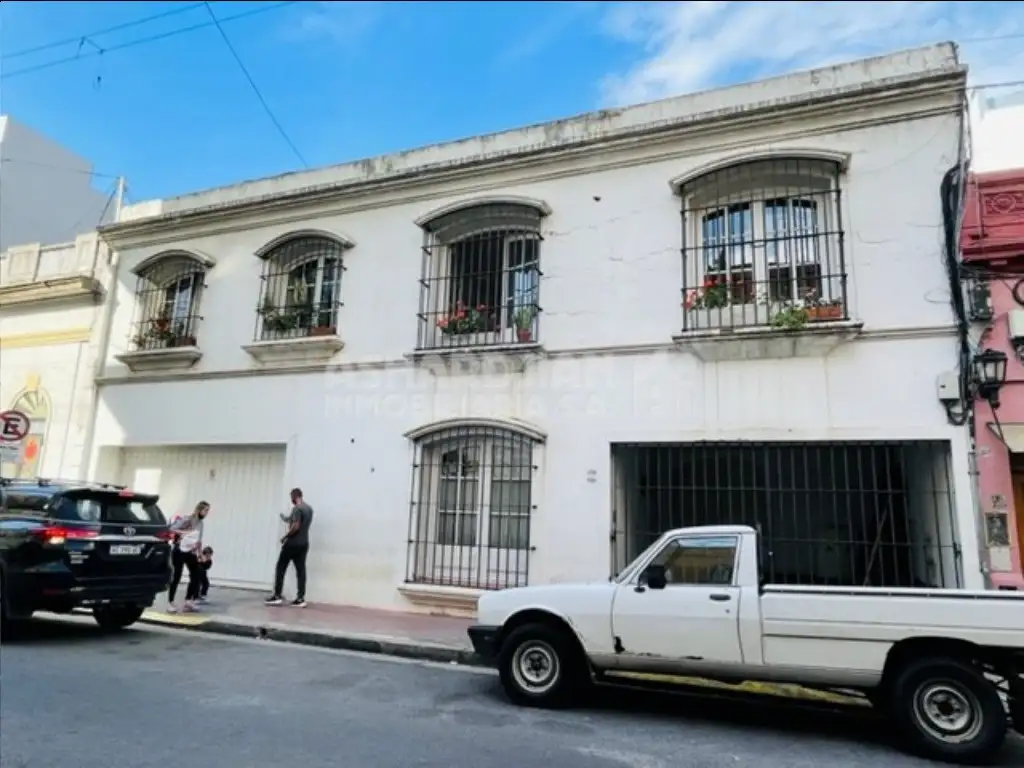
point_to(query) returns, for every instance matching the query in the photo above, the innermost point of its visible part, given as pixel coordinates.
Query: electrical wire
(145, 40)
(255, 88)
(117, 28)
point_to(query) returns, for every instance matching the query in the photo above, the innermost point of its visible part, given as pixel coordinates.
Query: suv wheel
(114, 617)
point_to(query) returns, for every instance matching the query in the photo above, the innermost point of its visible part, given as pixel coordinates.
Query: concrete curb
(383, 646)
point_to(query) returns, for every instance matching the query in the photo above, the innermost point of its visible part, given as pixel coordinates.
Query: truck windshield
(627, 573)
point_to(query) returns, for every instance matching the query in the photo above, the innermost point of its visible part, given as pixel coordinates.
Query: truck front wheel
(540, 666)
(948, 711)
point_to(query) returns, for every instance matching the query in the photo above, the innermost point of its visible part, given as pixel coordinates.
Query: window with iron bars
(480, 284)
(763, 245)
(167, 296)
(301, 289)
(470, 513)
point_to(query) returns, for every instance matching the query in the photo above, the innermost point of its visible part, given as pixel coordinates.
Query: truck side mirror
(654, 577)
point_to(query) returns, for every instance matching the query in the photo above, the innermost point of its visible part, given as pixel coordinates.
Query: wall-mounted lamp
(989, 375)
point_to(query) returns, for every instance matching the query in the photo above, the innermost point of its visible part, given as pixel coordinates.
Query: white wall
(46, 195)
(997, 124)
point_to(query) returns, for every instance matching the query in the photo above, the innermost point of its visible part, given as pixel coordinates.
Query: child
(205, 563)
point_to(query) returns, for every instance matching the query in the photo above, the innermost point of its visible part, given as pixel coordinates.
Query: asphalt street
(70, 696)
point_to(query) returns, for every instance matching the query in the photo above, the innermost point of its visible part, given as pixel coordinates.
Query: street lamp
(989, 375)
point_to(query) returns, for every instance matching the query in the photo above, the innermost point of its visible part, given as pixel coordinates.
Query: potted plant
(323, 330)
(523, 320)
(277, 321)
(819, 309)
(713, 294)
(461, 320)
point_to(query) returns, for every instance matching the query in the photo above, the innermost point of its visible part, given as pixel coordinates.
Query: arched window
(167, 297)
(35, 404)
(471, 508)
(481, 276)
(301, 291)
(763, 245)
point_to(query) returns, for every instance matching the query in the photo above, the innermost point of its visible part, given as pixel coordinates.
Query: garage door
(245, 488)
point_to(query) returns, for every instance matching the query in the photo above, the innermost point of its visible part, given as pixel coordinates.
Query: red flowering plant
(713, 294)
(462, 319)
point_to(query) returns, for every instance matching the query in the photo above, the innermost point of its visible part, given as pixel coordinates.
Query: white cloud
(688, 46)
(339, 22)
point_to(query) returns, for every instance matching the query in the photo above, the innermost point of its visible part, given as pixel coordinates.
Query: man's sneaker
(274, 600)
(298, 603)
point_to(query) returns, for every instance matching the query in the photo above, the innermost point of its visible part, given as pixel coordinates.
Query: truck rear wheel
(540, 666)
(948, 711)
(114, 617)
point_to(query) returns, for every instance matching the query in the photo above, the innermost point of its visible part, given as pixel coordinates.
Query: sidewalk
(241, 613)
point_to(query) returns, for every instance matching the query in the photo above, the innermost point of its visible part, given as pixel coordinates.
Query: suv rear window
(106, 508)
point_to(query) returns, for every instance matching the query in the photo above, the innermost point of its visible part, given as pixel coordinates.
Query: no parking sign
(14, 426)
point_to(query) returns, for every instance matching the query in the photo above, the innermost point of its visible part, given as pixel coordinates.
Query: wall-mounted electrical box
(948, 387)
(979, 302)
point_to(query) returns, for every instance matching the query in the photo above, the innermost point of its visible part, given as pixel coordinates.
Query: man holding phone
(294, 548)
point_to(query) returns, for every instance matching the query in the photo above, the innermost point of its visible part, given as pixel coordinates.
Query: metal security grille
(845, 514)
(167, 298)
(301, 289)
(469, 522)
(763, 246)
(480, 283)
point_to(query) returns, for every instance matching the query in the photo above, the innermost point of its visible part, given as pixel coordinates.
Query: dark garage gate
(841, 514)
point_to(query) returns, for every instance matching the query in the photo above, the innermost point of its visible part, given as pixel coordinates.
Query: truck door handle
(718, 597)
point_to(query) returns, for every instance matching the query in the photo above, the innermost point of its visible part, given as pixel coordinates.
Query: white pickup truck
(946, 666)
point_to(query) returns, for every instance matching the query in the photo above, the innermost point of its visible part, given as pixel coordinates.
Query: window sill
(168, 359)
(455, 599)
(767, 343)
(489, 358)
(304, 349)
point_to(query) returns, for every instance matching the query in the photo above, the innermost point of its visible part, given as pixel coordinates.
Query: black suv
(68, 544)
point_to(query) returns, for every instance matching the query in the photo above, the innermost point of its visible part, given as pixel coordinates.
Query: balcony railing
(763, 247)
(165, 333)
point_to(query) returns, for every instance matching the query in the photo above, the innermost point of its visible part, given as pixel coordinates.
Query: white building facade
(46, 193)
(52, 336)
(518, 358)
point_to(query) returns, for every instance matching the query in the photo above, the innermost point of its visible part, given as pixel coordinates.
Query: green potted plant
(713, 294)
(523, 320)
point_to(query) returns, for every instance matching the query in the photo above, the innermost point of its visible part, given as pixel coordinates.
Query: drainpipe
(106, 319)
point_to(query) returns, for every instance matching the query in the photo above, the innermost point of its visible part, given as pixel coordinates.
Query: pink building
(992, 243)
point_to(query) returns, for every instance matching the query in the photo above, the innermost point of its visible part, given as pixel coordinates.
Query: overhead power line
(117, 28)
(255, 88)
(145, 40)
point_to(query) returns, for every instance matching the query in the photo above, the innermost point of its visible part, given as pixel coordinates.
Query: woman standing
(189, 543)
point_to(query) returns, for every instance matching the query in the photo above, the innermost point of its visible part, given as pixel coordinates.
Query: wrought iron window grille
(167, 298)
(480, 282)
(763, 245)
(300, 291)
(470, 509)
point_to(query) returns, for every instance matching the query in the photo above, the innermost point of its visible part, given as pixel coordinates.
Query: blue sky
(351, 80)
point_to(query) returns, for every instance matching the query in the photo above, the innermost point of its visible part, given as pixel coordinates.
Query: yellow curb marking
(175, 619)
(768, 689)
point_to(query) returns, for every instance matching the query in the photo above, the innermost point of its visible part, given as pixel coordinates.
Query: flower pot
(524, 334)
(323, 330)
(829, 312)
(183, 341)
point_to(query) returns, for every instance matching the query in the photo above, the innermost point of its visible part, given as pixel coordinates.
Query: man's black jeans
(296, 554)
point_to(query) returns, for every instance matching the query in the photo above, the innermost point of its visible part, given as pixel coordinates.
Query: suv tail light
(165, 535)
(58, 534)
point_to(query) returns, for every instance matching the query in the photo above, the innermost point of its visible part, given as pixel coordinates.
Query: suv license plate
(126, 549)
